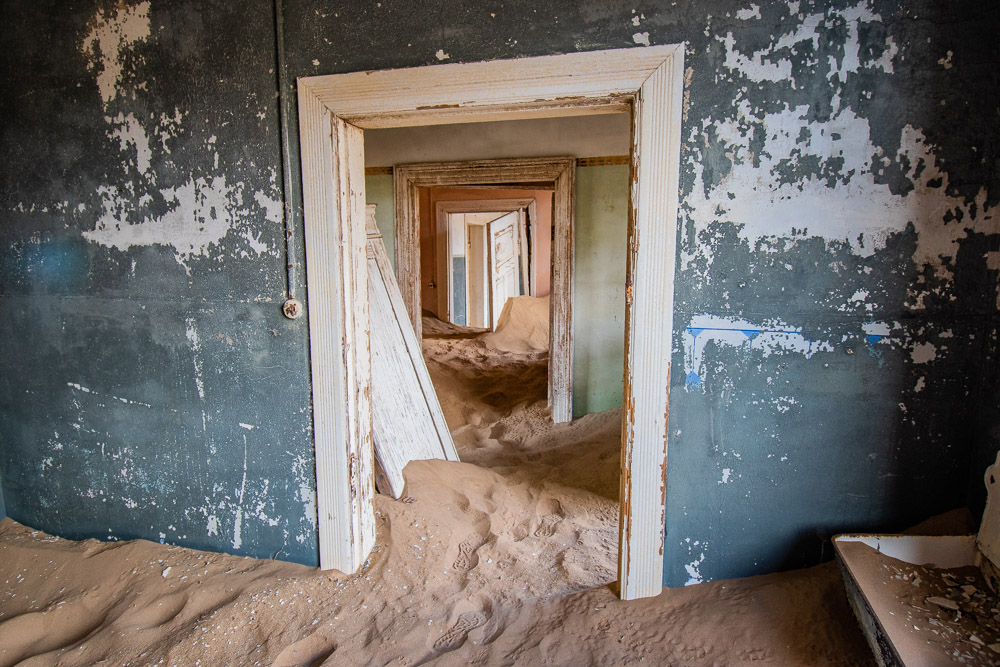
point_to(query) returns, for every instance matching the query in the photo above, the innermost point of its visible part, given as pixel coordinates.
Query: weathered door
(505, 278)
(407, 421)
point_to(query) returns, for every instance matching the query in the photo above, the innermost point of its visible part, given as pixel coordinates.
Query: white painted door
(505, 276)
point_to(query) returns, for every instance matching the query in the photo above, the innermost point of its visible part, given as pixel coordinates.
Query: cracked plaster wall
(836, 290)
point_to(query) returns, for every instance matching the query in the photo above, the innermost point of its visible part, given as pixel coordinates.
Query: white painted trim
(337, 279)
(649, 325)
(559, 170)
(573, 84)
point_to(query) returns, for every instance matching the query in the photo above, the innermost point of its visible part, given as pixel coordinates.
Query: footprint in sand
(549, 514)
(456, 635)
(467, 558)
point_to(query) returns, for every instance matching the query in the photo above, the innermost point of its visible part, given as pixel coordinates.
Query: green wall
(378, 190)
(599, 287)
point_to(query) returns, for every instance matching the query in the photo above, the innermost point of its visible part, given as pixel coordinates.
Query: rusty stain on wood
(438, 106)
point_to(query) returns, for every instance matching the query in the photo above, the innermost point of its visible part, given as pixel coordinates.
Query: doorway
(463, 270)
(485, 261)
(334, 110)
(560, 172)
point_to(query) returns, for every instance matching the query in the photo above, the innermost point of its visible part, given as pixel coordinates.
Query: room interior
(833, 346)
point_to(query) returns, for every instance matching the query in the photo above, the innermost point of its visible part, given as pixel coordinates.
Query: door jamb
(333, 111)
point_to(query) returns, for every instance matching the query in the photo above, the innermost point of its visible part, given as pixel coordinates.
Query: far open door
(505, 274)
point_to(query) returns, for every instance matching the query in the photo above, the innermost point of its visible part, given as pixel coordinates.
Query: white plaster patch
(641, 38)
(212, 527)
(307, 492)
(763, 65)
(129, 132)
(765, 339)
(859, 213)
(921, 383)
(692, 569)
(726, 474)
(441, 55)
(238, 523)
(759, 66)
(880, 329)
(112, 37)
(191, 331)
(201, 214)
(271, 206)
(753, 12)
(923, 353)
(254, 243)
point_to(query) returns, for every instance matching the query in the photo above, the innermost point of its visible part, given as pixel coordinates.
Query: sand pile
(501, 559)
(523, 326)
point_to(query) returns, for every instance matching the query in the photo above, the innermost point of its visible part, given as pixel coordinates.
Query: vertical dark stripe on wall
(284, 112)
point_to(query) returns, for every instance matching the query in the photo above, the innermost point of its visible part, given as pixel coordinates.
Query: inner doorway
(418, 244)
(461, 270)
(485, 263)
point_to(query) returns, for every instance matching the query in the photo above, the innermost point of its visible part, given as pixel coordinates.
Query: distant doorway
(557, 174)
(476, 276)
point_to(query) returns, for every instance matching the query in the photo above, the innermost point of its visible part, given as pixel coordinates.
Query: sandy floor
(504, 558)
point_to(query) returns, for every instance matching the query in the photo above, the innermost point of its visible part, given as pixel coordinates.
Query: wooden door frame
(560, 171)
(333, 112)
(445, 207)
(407, 179)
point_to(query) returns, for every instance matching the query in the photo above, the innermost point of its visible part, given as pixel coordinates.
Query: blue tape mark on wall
(871, 340)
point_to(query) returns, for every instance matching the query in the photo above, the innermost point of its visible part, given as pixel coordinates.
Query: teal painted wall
(599, 288)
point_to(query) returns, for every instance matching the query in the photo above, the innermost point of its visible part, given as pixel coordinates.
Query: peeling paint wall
(836, 292)
(837, 262)
(150, 386)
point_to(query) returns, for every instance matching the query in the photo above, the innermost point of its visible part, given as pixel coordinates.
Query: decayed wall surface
(150, 386)
(836, 285)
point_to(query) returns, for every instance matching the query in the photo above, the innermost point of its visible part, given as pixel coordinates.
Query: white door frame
(333, 112)
(442, 209)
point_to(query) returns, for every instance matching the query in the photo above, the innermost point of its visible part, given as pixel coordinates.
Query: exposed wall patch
(111, 41)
